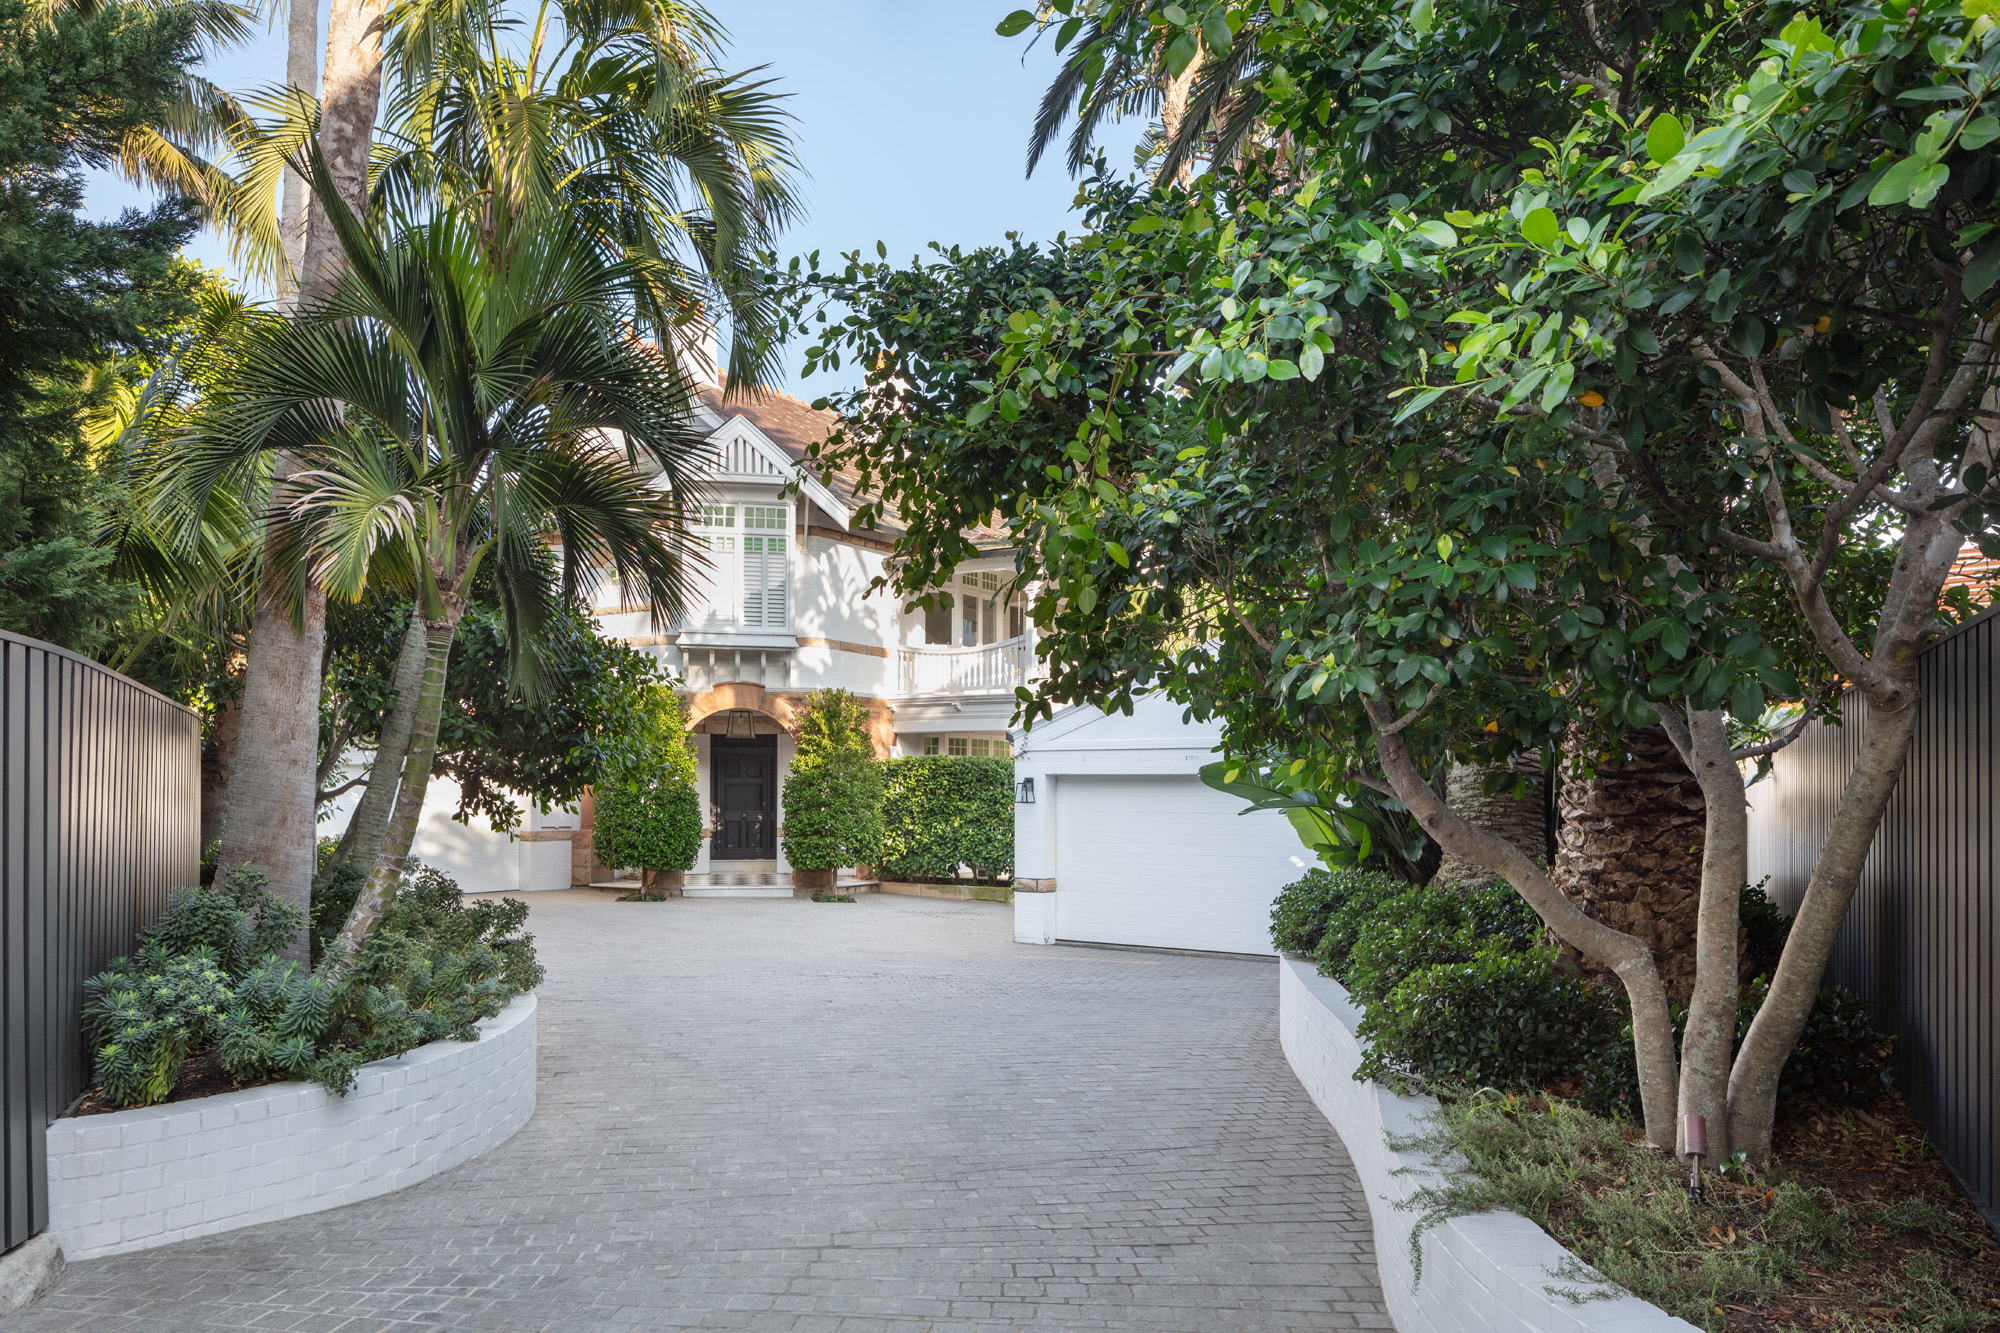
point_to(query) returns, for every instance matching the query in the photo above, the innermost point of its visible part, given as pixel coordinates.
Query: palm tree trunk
(409, 809)
(302, 73)
(1629, 850)
(1517, 819)
(269, 812)
(352, 97)
(369, 826)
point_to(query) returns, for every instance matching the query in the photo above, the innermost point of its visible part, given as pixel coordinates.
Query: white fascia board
(808, 484)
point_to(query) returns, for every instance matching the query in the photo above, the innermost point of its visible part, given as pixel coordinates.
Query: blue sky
(912, 121)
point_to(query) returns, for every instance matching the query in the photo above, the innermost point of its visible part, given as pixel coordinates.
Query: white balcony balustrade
(997, 668)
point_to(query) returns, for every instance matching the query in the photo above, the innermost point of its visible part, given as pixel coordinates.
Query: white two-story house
(785, 610)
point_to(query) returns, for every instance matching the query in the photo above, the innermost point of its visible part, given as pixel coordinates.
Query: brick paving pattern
(800, 1117)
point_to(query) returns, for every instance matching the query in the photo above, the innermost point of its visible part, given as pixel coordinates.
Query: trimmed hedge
(942, 812)
(655, 826)
(833, 812)
(1456, 988)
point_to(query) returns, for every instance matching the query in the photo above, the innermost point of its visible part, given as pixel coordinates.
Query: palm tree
(614, 118)
(614, 126)
(451, 409)
(1207, 101)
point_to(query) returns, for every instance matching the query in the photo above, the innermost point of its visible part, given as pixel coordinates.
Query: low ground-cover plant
(208, 976)
(944, 812)
(1780, 1241)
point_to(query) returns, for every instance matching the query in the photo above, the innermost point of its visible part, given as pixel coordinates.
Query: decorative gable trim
(743, 452)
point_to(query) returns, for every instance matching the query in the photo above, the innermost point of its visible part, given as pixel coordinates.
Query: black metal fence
(100, 815)
(1921, 939)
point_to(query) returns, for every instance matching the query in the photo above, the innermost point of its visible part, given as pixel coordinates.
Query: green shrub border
(941, 812)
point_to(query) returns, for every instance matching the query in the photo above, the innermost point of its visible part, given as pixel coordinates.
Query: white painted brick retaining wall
(131, 1180)
(1484, 1274)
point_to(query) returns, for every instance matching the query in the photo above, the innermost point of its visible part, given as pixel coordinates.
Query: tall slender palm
(612, 115)
(1118, 68)
(613, 124)
(451, 408)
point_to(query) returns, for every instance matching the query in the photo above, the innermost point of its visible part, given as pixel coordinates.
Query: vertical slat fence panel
(99, 819)
(1919, 942)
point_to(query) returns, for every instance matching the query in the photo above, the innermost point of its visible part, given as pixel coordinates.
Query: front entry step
(735, 883)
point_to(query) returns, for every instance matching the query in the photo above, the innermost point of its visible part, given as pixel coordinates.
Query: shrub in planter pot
(833, 817)
(654, 825)
(943, 812)
(648, 813)
(833, 793)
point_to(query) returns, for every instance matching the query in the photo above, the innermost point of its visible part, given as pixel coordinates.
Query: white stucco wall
(132, 1180)
(1489, 1273)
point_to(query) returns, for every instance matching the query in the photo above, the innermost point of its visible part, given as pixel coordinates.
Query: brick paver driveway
(796, 1116)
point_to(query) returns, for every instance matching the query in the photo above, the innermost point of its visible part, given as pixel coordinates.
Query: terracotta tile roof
(1975, 572)
(795, 427)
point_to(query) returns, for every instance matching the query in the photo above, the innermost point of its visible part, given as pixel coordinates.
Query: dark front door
(744, 774)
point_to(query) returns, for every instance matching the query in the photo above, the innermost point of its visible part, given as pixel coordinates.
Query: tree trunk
(1629, 850)
(218, 757)
(409, 808)
(302, 73)
(368, 828)
(1625, 955)
(1753, 1083)
(1173, 111)
(1708, 1045)
(1517, 819)
(353, 95)
(269, 820)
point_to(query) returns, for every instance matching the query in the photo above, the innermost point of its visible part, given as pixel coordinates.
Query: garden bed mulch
(201, 1076)
(1874, 1161)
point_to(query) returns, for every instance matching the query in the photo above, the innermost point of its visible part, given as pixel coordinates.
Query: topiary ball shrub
(1304, 908)
(1424, 927)
(653, 825)
(1503, 1018)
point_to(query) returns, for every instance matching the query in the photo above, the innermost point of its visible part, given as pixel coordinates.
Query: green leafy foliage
(208, 974)
(1422, 928)
(497, 742)
(143, 1014)
(833, 790)
(1503, 1018)
(655, 826)
(1351, 916)
(1843, 1058)
(941, 813)
(648, 811)
(76, 293)
(1304, 908)
(833, 812)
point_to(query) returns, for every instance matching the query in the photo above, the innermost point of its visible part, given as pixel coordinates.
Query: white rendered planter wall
(1489, 1273)
(131, 1180)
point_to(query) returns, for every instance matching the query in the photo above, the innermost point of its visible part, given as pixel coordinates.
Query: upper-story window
(766, 565)
(986, 609)
(749, 571)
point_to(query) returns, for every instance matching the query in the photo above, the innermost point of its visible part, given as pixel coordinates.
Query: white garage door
(1168, 862)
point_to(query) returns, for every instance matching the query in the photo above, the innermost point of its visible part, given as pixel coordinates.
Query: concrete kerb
(1493, 1271)
(26, 1271)
(133, 1180)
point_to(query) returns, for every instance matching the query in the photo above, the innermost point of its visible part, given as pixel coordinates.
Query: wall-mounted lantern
(1024, 792)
